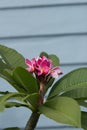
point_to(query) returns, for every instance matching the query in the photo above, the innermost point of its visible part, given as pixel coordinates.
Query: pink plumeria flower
(31, 65)
(42, 66)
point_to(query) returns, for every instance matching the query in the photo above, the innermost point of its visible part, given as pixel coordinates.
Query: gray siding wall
(54, 26)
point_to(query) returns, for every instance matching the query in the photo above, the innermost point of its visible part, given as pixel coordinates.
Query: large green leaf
(8, 75)
(84, 120)
(80, 93)
(10, 58)
(25, 79)
(73, 80)
(62, 109)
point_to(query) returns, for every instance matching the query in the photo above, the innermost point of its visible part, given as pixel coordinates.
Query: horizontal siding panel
(18, 3)
(71, 49)
(39, 21)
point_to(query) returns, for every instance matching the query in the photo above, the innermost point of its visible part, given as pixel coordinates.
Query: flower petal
(28, 62)
(55, 72)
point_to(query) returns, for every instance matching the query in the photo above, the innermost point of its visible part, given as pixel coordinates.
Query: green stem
(32, 122)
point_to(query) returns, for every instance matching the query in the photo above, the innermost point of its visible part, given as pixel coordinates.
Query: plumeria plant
(33, 78)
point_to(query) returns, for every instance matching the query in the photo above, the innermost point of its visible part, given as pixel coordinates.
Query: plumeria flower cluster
(44, 71)
(42, 66)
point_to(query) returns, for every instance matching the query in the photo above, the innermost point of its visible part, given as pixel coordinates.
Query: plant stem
(32, 122)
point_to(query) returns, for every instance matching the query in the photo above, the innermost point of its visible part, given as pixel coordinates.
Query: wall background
(32, 26)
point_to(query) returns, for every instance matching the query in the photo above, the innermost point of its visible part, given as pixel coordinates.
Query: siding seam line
(42, 6)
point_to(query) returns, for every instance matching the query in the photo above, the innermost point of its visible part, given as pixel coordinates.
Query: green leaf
(9, 95)
(62, 109)
(33, 99)
(15, 104)
(4, 98)
(9, 77)
(73, 80)
(20, 99)
(2, 103)
(84, 120)
(44, 54)
(55, 59)
(2, 106)
(80, 93)
(10, 58)
(26, 80)
(12, 128)
(2, 66)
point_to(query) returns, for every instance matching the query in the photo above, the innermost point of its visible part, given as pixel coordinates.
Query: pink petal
(33, 61)
(28, 62)
(58, 70)
(39, 73)
(55, 72)
(54, 75)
